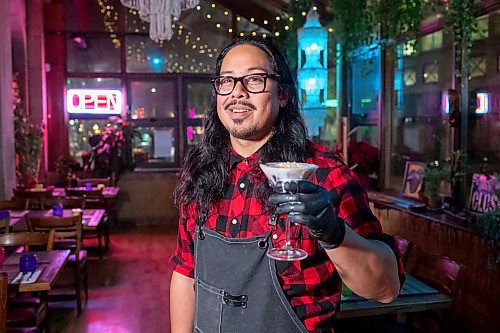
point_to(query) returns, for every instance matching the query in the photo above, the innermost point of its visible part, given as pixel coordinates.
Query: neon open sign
(94, 101)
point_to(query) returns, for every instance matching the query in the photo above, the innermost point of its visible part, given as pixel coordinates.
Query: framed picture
(483, 197)
(413, 179)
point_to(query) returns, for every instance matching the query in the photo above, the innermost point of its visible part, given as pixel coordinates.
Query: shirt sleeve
(182, 260)
(351, 200)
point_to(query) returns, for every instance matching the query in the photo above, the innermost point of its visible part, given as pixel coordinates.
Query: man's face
(249, 116)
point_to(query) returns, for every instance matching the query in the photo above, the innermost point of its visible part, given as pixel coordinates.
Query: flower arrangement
(111, 150)
(362, 159)
(28, 141)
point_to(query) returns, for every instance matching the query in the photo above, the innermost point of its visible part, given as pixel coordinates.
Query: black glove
(311, 205)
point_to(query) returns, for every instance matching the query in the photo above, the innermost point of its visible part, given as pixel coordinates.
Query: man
(227, 214)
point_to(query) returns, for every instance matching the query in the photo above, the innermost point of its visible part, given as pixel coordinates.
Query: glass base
(287, 254)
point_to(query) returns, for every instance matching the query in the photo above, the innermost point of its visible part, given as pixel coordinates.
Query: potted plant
(28, 141)
(436, 178)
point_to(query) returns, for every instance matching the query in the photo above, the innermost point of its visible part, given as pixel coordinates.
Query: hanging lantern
(312, 41)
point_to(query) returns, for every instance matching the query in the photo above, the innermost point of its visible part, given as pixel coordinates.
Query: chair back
(93, 198)
(82, 193)
(66, 228)
(4, 225)
(27, 239)
(94, 181)
(4, 279)
(66, 202)
(34, 198)
(15, 204)
(404, 247)
(439, 272)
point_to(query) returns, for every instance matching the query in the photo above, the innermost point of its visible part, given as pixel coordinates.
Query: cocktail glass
(282, 177)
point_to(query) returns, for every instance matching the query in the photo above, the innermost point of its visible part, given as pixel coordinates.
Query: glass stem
(287, 233)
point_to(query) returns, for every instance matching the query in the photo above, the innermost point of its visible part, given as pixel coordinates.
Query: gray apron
(236, 286)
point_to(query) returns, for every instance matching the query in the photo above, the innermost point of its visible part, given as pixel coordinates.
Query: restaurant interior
(100, 103)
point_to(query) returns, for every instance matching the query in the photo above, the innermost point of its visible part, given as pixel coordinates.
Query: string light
(109, 20)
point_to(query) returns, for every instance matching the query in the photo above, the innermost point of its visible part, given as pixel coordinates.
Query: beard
(242, 133)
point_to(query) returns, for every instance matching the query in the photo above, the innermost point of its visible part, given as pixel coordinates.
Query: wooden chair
(27, 313)
(93, 199)
(15, 204)
(44, 240)
(5, 225)
(66, 202)
(34, 198)
(94, 181)
(404, 247)
(87, 194)
(441, 273)
(68, 234)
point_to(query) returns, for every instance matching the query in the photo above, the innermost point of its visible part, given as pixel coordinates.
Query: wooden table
(415, 296)
(49, 262)
(107, 192)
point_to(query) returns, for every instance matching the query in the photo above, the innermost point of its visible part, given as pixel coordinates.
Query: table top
(91, 217)
(108, 191)
(50, 263)
(415, 296)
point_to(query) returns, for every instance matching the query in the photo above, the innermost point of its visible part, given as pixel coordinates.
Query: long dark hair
(206, 167)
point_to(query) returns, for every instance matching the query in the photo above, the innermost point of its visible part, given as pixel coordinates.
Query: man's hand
(311, 205)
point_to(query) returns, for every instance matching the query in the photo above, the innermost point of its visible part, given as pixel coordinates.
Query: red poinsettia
(363, 160)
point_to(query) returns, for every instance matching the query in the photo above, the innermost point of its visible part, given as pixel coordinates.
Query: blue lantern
(312, 41)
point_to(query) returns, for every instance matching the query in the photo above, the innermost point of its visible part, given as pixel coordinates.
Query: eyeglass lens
(251, 83)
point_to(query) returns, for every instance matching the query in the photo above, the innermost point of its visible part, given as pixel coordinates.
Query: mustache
(240, 102)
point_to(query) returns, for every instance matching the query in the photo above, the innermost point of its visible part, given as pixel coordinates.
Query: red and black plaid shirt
(312, 285)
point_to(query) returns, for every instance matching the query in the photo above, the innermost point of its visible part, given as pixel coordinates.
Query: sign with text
(483, 197)
(94, 101)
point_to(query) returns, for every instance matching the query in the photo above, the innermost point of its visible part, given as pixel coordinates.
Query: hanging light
(160, 14)
(313, 75)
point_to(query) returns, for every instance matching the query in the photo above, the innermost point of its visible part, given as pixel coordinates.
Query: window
(419, 130)
(198, 99)
(83, 127)
(431, 73)
(477, 67)
(154, 146)
(89, 53)
(153, 99)
(432, 41)
(365, 89)
(482, 28)
(410, 76)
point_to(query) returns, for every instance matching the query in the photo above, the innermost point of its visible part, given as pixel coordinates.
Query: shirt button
(246, 162)
(242, 185)
(275, 236)
(234, 221)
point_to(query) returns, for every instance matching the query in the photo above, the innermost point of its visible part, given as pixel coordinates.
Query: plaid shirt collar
(235, 158)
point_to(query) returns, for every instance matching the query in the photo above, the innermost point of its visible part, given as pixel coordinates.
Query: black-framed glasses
(253, 83)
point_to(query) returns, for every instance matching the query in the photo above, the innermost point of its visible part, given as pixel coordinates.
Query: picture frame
(483, 198)
(413, 179)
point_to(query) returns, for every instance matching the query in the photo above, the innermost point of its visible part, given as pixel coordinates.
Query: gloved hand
(311, 205)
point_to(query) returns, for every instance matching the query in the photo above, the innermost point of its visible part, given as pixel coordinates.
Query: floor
(128, 289)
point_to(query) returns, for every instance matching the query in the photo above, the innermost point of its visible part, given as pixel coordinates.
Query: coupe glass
(279, 174)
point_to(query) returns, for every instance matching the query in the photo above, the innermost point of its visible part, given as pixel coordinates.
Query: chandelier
(160, 14)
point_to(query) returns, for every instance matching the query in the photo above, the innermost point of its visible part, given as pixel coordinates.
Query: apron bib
(237, 289)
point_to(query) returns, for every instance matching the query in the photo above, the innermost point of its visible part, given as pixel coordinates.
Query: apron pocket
(208, 307)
